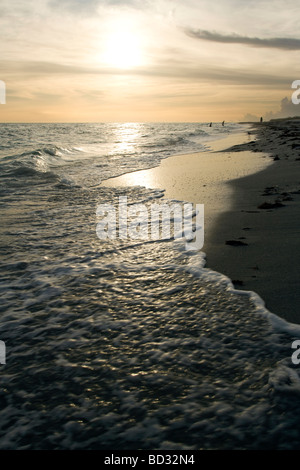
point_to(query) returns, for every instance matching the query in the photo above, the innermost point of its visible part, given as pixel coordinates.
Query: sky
(148, 60)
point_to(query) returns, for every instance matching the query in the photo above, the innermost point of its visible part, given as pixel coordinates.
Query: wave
(60, 154)
(149, 334)
(89, 153)
(132, 345)
(38, 163)
(196, 267)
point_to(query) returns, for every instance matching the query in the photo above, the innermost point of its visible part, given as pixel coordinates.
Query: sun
(122, 49)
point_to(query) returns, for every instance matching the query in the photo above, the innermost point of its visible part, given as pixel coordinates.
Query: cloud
(76, 6)
(162, 69)
(90, 7)
(250, 118)
(290, 44)
(287, 109)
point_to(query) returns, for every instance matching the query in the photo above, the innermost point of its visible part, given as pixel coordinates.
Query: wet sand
(257, 247)
(265, 211)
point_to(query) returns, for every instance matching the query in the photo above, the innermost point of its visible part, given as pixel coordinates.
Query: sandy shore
(266, 211)
(257, 247)
(200, 178)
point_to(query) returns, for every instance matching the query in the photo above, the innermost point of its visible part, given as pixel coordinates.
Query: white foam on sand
(200, 178)
(203, 178)
(196, 266)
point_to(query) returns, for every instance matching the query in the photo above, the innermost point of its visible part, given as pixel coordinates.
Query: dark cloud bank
(290, 44)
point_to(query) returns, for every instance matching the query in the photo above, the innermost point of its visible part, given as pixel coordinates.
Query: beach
(123, 343)
(250, 189)
(265, 213)
(149, 236)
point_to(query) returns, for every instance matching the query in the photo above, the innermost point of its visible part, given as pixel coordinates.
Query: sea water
(115, 344)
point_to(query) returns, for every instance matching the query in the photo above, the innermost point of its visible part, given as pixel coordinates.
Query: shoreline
(232, 179)
(198, 178)
(265, 214)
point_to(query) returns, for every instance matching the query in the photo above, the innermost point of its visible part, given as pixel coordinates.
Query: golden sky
(143, 60)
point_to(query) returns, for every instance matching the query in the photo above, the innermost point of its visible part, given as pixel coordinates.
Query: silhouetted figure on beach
(210, 124)
(261, 119)
(223, 123)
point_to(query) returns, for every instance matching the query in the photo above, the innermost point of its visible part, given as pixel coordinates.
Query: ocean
(116, 344)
